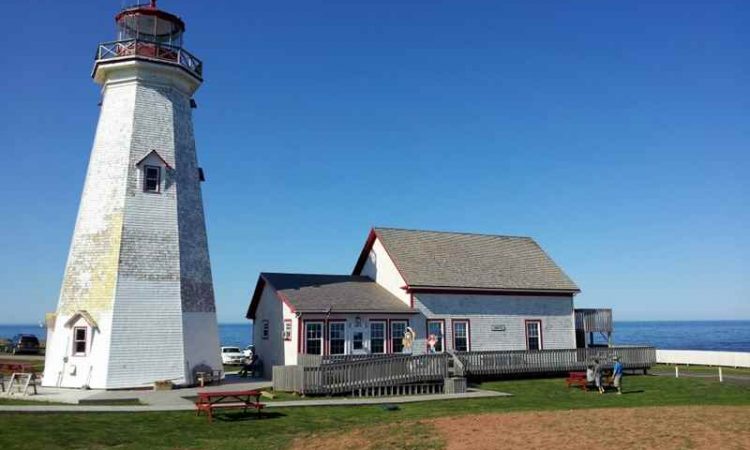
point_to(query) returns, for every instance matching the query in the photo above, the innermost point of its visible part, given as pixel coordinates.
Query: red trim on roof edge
(444, 290)
(366, 252)
(158, 156)
(257, 294)
(255, 298)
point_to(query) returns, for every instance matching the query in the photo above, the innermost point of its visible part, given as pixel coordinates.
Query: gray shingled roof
(340, 293)
(476, 261)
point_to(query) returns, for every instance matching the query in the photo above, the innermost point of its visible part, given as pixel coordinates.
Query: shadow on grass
(247, 416)
(640, 391)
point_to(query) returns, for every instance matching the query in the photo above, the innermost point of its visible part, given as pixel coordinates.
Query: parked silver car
(232, 355)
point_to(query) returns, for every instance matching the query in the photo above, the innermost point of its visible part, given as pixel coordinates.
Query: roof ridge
(455, 232)
(312, 274)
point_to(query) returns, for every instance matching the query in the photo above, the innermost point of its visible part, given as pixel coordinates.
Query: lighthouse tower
(137, 302)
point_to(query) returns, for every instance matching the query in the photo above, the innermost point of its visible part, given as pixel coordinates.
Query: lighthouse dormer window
(151, 179)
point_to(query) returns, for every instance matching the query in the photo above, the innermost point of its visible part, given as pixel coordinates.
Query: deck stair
(401, 389)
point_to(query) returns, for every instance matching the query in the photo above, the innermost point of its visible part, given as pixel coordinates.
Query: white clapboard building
(471, 291)
(137, 301)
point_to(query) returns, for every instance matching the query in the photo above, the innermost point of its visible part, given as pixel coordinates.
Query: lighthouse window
(79, 341)
(151, 179)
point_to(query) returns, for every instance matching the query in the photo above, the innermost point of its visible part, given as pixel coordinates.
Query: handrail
(563, 360)
(336, 374)
(152, 50)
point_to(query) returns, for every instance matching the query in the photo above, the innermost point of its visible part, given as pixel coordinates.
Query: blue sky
(614, 133)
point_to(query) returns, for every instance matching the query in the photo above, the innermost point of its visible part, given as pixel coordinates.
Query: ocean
(688, 335)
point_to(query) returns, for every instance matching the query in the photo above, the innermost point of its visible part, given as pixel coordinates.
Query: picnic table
(577, 379)
(20, 373)
(8, 367)
(208, 401)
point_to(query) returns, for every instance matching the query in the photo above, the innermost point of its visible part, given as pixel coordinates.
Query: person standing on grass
(617, 374)
(589, 375)
(598, 376)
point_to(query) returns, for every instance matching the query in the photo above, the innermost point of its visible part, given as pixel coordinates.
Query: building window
(336, 338)
(436, 328)
(461, 335)
(398, 328)
(314, 338)
(287, 330)
(266, 329)
(357, 340)
(151, 178)
(533, 334)
(79, 341)
(377, 337)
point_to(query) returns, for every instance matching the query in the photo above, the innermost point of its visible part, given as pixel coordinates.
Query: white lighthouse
(137, 302)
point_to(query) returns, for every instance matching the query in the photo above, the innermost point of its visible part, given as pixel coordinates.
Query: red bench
(577, 379)
(209, 401)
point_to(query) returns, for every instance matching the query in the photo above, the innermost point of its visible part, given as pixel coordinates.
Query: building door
(436, 329)
(358, 342)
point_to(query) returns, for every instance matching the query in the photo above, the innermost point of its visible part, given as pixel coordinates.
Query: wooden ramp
(406, 374)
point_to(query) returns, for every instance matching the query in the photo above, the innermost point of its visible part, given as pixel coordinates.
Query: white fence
(703, 358)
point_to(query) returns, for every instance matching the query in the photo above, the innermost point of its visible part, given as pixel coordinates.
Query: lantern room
(147, 32)
(147, 22)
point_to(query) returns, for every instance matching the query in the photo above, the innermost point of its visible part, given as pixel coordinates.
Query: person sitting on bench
(251, 367)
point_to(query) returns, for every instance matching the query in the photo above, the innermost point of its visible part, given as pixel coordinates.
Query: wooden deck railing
(596, 320)
(334, 377)
(549, 361)
(341, 374)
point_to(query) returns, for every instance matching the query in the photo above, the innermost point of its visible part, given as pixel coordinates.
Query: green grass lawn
(280, 426)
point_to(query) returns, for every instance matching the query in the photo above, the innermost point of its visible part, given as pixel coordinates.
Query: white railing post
(721, 376)
(677, 371)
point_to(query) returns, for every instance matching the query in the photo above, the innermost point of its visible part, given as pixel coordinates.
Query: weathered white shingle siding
(383, 271)
(486, 311)
(146, 343)
(90, 274)
(143, 257)
(270, 350)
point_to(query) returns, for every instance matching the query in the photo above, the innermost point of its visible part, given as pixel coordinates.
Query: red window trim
(327, 336)
(304, 335)
(287, 321)
(385, 335)
(427, 333)
(300, 326)
(86, 341)
(526, 333)
(468, 333)
(390, 330)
